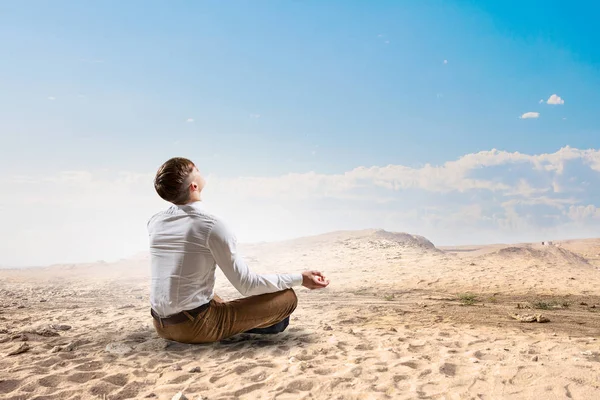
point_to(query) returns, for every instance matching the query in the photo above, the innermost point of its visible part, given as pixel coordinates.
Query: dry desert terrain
(401, 319)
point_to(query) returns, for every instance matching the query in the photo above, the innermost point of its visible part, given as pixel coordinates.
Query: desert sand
(401, 319)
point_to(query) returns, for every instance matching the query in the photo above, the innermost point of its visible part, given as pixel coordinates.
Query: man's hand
(314, 280)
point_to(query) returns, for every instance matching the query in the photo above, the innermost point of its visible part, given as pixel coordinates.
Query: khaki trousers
(225, 319)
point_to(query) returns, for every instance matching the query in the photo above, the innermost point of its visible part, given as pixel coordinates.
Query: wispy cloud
(490, 195)
(530, 114)
(189, 120)
(255, 116)
(445, 61)
(555, 100)
(51, 98)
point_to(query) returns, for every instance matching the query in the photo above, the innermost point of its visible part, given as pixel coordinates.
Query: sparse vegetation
(467, 299)
(492, 299)
(389, 297)
(543, 305)
(549, 305)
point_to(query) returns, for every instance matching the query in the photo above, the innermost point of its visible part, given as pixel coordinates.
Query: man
(186, 244)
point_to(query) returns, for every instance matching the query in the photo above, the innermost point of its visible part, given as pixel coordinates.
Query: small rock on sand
(534, 358)
(530, 318)
(46, 332)
(195, 370)
(540, 318)
(179, 396)
(118, 348)
(56, 349)
(72, 346)
(59, 327)
(21, 349)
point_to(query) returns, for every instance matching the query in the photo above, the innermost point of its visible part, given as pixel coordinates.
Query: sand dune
(401, 320)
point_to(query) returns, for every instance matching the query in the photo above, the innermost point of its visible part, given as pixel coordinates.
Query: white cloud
(582, 213)
(529, 115)
(51, 98)
(190, 120)
(541, 101)
(491, 195)
(387, 42)
(445, 61)
(556, 100)
(255, 116)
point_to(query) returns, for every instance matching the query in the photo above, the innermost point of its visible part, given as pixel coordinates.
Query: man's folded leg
(269, 311)
(270, 330)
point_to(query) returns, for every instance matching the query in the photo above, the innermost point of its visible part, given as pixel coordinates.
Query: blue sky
(261, 89)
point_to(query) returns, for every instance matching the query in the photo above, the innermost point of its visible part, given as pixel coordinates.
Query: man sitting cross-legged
(187, 242)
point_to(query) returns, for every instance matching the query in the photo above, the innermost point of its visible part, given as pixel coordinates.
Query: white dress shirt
(186, 244)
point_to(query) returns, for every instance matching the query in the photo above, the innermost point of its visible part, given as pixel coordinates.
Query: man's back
(183, 267)
(186, 244)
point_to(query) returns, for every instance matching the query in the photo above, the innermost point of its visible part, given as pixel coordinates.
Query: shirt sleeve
(223, 247)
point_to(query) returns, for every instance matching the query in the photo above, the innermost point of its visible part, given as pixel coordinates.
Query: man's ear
(194, 186)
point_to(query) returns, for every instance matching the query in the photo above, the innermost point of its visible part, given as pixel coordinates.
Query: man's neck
(194, 198)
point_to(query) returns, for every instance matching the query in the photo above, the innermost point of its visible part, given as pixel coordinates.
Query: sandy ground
(401, 320)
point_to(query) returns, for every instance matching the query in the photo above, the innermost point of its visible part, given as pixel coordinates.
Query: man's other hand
(314, 280)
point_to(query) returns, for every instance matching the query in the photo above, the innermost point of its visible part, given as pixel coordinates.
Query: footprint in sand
(51, 381)
(117, 379)
(102, 389)
(49, 362)
(261, 376)
(130, 391)
(302, 385)
(448, 369)
(84, 377)
(410, 364)
(247, 389)
(180, 379)
(9, 385)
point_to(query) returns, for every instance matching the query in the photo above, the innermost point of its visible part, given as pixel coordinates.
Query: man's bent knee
(291, 299)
